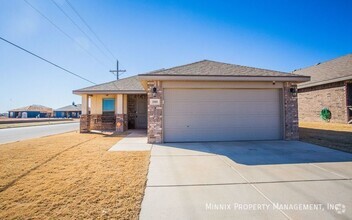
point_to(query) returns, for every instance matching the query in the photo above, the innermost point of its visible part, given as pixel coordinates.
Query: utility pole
(117, 71)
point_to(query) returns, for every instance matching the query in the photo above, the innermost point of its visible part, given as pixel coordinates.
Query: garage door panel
(244, 108)
(203, 108)
(221, 114)
(229, 134)
(216, 95)
(223, 121)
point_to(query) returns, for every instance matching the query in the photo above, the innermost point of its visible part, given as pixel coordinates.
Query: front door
(141, 113)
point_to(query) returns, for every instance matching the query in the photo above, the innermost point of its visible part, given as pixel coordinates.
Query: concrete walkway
(135, 141)
(247, 180)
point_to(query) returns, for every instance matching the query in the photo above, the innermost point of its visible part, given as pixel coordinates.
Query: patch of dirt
(332, 135)
(72, 176)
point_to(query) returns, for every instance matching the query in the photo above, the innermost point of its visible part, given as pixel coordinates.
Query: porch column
(84, 120)
(121, 112)
(290, 112)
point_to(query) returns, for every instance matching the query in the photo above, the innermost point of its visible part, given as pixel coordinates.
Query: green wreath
(325, 114)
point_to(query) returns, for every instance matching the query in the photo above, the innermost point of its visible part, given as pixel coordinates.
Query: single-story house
(201, 101)
(70, 111)
(31, 111)
(330, 87)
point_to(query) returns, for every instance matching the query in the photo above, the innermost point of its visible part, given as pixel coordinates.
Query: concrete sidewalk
(219, 180)
(135, 141)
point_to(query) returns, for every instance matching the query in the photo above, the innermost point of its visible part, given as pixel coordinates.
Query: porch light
(154, 91)
(293, 90)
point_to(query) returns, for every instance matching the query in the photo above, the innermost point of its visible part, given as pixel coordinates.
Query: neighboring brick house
(201, 101)
(330, 87)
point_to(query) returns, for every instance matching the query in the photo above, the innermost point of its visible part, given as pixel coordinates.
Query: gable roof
(128, 85)
(70, 108)
(32, 108)
(335, 70)
(213, 68)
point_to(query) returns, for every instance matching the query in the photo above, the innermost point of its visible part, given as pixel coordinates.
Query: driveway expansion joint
(251, 184)
(329, 171)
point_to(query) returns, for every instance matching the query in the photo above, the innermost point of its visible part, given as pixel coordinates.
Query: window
(108, 105)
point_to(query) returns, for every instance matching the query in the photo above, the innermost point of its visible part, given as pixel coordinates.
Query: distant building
(32, 111)
(70, 111)
(4, 115)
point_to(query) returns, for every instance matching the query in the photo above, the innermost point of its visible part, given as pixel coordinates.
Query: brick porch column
(84, 125)
(121, 113)
(155, 112)
(290, 113)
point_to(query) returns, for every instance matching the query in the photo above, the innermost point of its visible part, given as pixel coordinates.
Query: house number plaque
(154, 101)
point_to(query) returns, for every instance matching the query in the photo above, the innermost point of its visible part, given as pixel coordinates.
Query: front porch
(113, 112)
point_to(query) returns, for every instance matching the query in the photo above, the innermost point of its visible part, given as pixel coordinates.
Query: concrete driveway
(248, 180)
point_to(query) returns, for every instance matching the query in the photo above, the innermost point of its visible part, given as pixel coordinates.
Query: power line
(56, 65)
(63, 32)
(78, 27)
(71, 6)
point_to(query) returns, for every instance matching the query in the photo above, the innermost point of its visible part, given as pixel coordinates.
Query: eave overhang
(296, 79)
(92, 92)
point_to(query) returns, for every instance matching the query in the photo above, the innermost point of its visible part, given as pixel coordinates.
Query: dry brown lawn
(71, 176)
(337, 136)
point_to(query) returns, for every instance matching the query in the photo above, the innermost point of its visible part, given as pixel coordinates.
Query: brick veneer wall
(313, 99)
(96, 122)
(121, 122)
(155, 113)
(84, 125)
(290, 113)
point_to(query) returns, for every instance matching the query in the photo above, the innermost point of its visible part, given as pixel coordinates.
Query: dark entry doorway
(137, 111)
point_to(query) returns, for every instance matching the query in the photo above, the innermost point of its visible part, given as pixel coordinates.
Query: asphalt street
(9, 135)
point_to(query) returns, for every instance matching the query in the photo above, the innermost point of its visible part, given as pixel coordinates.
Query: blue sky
(148, 35)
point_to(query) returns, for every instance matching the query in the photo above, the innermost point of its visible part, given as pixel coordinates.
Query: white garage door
(221, 115)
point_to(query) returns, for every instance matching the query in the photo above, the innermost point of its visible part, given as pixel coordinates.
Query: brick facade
(290, 113)
(84, 125)
(96, 122)
(102, 122)
(121, 122)
(313, 99)
(155, 113)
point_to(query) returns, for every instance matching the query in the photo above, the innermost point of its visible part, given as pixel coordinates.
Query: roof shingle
(200, 68)
(330, 71)
(127, 84)
(213, 68)
(32, 108)
(70, 108)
